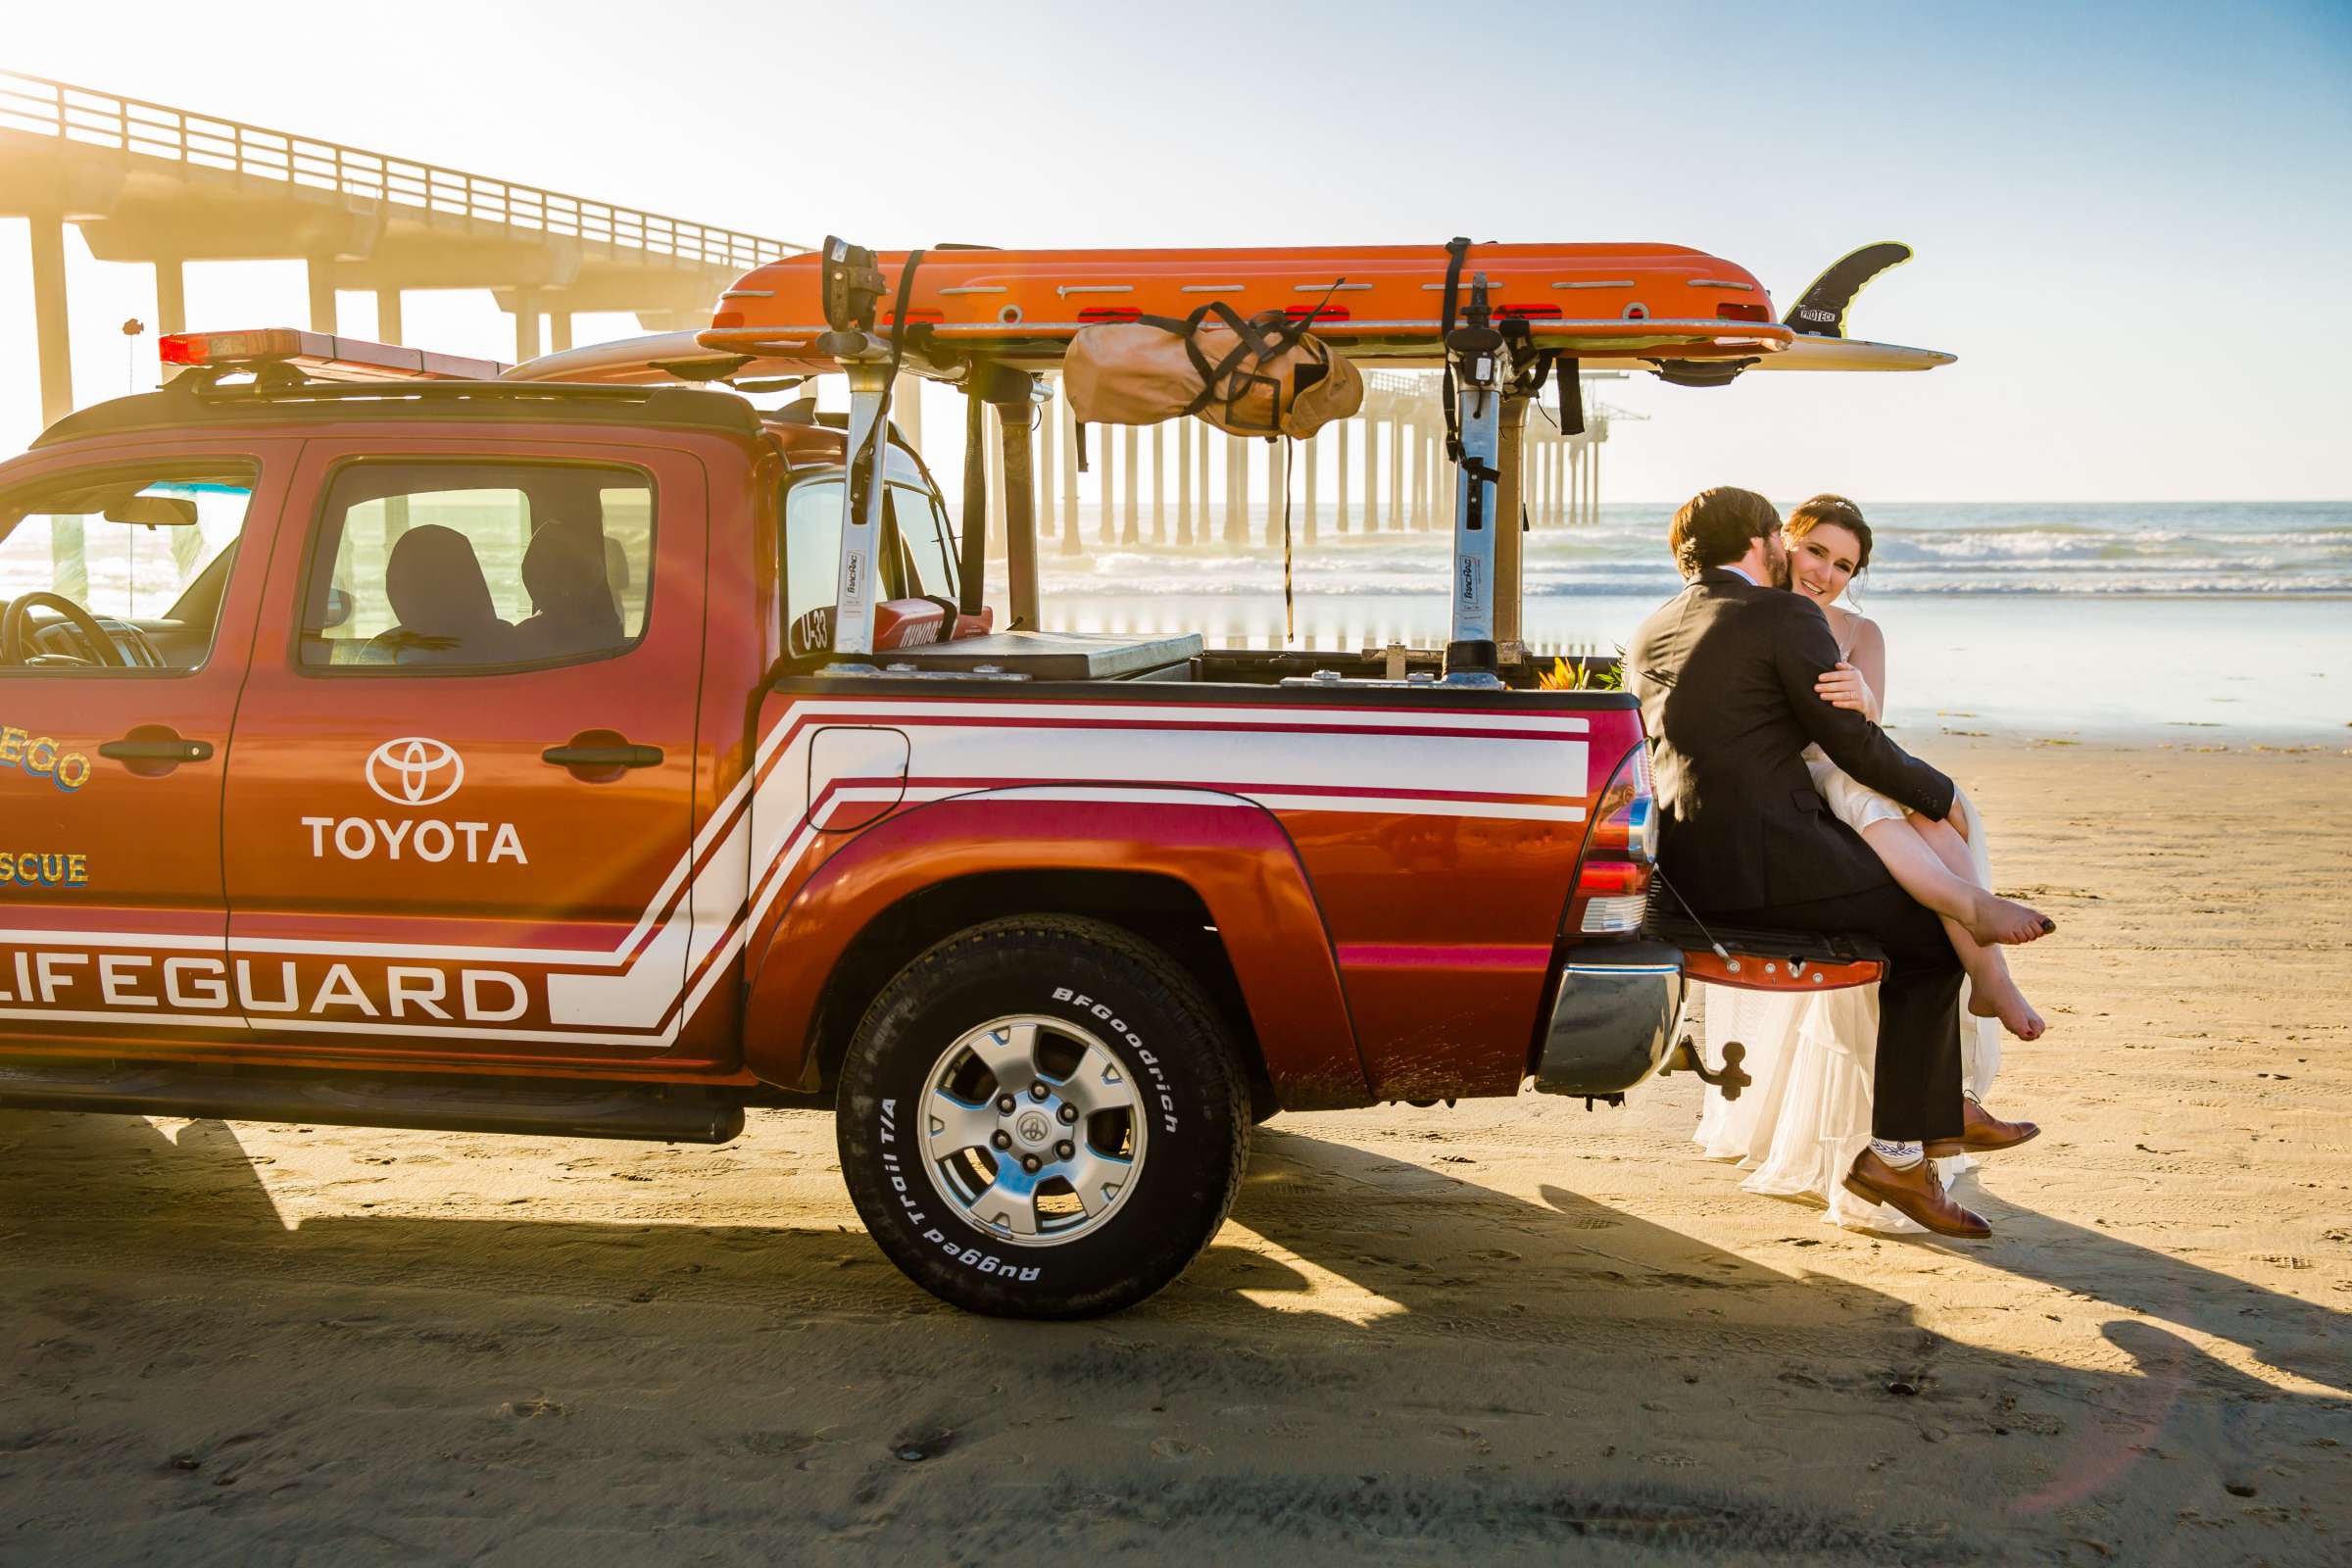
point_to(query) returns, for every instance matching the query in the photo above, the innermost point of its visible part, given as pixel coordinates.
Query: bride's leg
(1948, 841)
(1991, 993)
(1921, 872)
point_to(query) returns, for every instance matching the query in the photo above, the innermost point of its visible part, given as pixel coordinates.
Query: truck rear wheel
(1043, 1117)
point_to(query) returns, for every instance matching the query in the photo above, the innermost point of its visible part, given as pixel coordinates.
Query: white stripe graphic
(1081, 751)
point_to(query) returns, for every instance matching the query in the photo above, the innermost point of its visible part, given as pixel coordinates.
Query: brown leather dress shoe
(1982, 1132)
(1916, 1194)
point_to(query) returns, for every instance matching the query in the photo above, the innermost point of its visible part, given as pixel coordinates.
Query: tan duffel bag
(1264, 376)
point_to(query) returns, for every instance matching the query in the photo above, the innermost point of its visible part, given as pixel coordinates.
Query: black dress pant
(1917, 1092)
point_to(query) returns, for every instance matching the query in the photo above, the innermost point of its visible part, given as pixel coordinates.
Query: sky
(2132, 220)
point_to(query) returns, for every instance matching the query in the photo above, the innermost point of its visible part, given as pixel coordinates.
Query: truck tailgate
(1753, 960)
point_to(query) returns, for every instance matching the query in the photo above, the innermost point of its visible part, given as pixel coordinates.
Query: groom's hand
(1845, 687)
(1804, 655)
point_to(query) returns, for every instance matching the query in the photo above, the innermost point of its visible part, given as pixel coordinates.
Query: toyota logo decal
(415, 770)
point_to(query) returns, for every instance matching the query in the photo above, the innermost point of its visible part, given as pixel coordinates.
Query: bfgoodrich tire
(1043, 1117)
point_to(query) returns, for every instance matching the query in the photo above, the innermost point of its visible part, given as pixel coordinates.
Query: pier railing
(46, 108)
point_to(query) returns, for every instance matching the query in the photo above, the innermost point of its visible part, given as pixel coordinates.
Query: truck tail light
(1612, 879)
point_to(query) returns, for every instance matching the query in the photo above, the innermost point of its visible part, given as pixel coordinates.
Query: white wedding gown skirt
(1799, 1127)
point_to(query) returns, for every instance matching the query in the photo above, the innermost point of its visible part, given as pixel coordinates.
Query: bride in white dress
(1801, 1124)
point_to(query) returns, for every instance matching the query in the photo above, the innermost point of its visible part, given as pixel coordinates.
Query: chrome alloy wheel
(1032, 1130)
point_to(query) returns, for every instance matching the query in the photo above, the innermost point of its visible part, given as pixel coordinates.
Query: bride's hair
(1831, 509)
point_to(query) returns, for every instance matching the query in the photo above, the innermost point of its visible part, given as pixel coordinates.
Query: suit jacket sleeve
(1802, 651)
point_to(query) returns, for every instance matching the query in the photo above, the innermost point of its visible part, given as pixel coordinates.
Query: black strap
(1570, 375)
(890, 386)
(1246, 343)
(1320, 306)
(1078, 440)
(1256, 339)
(898, 306)
(1456, 249)
(1700, 372)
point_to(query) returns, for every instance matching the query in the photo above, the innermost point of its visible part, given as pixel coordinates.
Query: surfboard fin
(1820, 312)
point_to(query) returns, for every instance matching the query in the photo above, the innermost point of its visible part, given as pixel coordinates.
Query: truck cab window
(477, 566)
(812, 564)
(120, 569)
(930, 545)
(915, 560)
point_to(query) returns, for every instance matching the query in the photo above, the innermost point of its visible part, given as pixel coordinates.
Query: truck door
(131, 585)
(458, 825)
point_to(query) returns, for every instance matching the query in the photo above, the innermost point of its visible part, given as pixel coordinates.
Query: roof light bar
(321, 356)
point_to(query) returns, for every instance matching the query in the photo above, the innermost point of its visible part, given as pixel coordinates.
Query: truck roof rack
(194, 400)
(298, 375)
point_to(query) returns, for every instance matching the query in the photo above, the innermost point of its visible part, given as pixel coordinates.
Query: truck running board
(440, 1103)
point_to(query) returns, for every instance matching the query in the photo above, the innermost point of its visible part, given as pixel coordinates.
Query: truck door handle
(173, 750)
(603, 756)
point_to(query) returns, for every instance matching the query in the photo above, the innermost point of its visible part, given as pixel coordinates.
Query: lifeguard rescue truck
(400, 741)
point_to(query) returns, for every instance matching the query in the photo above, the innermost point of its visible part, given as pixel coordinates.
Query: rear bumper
(1612, 1020)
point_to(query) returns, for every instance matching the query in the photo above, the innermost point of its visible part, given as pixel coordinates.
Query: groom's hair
(1715, 528)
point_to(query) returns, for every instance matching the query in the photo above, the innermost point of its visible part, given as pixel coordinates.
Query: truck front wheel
(1043, 1117)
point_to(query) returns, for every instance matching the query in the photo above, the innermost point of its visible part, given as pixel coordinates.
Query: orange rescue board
(1375, 301)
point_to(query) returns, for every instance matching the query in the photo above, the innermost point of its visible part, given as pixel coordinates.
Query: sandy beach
(1511, 1331)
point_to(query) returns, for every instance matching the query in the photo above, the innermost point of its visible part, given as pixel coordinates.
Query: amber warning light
(321, 356)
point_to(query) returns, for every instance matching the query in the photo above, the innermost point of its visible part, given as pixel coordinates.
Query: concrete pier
(1237, 491)
(151, 183)
(1129, 449)
(1310, 460)
(1071, 545)
(1185, 431)
(1339, 473)
(1159, 483)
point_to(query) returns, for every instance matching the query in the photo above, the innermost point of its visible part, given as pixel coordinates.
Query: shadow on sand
(1621, 1384)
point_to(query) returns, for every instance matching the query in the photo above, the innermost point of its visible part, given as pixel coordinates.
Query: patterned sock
(1901, 1155)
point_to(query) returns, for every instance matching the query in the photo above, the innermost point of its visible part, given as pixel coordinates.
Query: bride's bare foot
(2003, 1000)
(2005, 921)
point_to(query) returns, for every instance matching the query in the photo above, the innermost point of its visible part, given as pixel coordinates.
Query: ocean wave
(2249, 586)
(2107, 550)
(1884, 531)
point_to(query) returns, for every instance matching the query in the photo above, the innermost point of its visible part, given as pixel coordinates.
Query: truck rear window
(917, 558)
(477, 566)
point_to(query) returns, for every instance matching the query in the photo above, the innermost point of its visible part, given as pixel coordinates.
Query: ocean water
(2202, 622)
(2106, 548)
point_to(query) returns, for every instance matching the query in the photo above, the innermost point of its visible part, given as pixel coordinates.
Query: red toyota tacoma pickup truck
(468, 756)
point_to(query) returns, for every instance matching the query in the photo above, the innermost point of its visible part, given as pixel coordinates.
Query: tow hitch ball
(1688, 1058)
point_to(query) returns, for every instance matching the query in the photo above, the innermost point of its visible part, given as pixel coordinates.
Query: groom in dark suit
(1725, 674)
